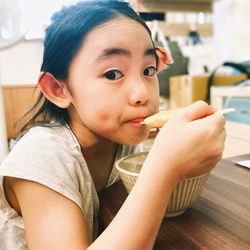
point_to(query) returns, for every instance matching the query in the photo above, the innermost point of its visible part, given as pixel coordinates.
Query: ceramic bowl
(184, 194)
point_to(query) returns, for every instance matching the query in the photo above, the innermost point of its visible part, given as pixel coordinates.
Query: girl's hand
(192, 141)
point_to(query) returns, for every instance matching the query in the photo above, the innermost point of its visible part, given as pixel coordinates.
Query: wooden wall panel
(18, 99)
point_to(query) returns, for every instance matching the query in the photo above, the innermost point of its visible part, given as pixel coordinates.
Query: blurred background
(201, 35)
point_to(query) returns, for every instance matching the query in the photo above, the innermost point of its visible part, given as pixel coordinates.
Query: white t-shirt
(52, 157)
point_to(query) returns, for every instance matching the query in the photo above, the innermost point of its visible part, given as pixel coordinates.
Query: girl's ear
(164, 58)
(54, 90)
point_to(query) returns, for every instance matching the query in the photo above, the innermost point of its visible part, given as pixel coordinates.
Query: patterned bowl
(184, 194)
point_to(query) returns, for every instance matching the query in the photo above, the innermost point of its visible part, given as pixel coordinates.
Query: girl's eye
(113, 74)
(150, 71)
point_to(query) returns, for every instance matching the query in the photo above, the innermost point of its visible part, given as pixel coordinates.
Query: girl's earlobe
(164, 58)
(54, 90)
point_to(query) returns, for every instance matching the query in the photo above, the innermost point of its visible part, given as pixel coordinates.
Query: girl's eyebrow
(110, 52)
(150, 52)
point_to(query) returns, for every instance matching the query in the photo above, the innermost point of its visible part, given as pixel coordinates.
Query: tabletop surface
(219, 219)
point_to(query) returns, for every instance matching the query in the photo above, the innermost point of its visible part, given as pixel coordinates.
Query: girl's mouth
(137, 120)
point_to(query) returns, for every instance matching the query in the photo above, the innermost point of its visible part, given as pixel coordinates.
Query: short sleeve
(47, 158)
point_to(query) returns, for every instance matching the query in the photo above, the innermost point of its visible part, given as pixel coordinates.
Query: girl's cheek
(104, 119)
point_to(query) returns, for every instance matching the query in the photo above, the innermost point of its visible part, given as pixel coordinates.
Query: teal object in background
(242, 106)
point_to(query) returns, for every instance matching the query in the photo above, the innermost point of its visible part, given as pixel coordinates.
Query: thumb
(196, 111)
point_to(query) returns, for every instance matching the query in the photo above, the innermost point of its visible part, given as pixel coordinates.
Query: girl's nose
(139, 94)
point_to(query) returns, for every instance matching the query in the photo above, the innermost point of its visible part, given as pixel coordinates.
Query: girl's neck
(98, 152)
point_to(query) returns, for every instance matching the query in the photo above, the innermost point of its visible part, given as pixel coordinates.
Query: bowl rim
(137, 174)
(124, 158)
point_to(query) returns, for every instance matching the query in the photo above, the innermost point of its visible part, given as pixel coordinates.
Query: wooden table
(220, 218)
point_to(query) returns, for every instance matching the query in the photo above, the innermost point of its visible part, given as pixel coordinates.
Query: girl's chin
(133, 140)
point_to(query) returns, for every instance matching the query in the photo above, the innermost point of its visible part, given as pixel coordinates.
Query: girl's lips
(137, 120)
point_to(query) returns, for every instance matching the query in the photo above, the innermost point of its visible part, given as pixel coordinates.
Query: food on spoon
(159, 119)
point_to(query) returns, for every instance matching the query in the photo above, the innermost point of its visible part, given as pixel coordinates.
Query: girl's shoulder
(45, 140)
(43, 151)
(48, 155)
(54, 133)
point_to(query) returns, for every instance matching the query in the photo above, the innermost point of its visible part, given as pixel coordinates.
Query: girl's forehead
(118, 21)
(117, 30)
(120, 36)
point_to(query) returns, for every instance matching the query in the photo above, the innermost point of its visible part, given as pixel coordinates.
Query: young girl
(98, 82)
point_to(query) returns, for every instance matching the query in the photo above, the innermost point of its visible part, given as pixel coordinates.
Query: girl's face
(113, 82)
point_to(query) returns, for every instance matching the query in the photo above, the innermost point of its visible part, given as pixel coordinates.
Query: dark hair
(63, 39)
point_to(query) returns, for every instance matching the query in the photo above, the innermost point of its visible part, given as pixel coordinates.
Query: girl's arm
(186, 146)
(51, 220)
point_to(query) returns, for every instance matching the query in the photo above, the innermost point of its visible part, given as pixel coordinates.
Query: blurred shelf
(183, 29)
(175, 5)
